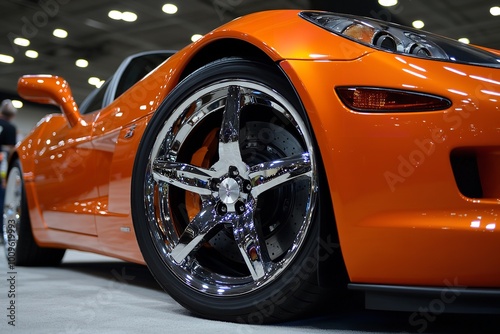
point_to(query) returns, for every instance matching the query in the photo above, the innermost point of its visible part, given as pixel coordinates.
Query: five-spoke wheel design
(229, 189)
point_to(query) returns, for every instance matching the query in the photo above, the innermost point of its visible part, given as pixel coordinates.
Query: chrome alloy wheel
(12, 210)
(253, 195)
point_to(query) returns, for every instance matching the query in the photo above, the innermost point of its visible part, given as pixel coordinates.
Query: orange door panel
(64, 171)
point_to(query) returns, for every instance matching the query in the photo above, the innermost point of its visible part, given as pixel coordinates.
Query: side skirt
(448, 299)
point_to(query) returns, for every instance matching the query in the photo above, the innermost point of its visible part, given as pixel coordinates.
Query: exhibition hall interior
(135, 176)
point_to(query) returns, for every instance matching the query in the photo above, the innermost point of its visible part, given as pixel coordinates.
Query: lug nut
(233, 171)
(239, 207)
(221, 209)
(215, 184)
(247, 186)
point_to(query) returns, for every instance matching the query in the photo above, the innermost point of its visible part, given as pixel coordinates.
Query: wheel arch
(265, 36)
(234, 47)
(13, 157)
(225, 48)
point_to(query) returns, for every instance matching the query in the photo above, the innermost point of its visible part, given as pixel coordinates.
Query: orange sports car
(280, 159)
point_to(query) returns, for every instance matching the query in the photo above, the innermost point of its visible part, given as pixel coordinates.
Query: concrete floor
(96, 294)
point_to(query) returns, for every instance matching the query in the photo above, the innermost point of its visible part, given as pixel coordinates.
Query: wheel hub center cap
(229, 191)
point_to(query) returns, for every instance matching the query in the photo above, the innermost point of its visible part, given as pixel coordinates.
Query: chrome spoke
(250, 244)
(184, 176)
(203, 225)
(204, 221)
(230, 128)
(267, 175)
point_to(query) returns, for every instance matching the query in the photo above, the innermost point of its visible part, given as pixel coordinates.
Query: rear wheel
(20, 246)
(225, 196)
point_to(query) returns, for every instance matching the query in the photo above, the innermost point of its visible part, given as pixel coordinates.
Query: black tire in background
(20, 246)
(225, 196)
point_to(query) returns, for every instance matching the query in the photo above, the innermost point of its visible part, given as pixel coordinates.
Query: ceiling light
(115, 15)
(129, 16)
(495, 11)
(196, 37)
(94, 81)
(60, 33)
(17, 104)
(31, 54)
(21, 41)
(418, 24)
(6, 59)
(388, 3)
(125, 16)
(82, 63)
(464, 40)
(169, 8)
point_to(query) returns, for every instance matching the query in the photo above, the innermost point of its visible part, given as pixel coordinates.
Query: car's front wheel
(225, 196)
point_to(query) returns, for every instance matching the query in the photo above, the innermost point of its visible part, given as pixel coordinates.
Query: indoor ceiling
(104, 42)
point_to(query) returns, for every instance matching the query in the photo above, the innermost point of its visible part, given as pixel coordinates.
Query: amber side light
(381, 100)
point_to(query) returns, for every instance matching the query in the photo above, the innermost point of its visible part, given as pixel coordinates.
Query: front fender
(282, 34)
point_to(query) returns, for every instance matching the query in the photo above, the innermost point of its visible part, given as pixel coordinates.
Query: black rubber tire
(25, 251)
(296, 292)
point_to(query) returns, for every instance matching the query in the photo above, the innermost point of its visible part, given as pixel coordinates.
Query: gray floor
(90, 294)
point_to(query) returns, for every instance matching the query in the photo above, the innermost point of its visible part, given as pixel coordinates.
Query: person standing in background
(8, 134)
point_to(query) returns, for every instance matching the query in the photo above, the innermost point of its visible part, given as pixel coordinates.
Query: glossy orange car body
(400, 215)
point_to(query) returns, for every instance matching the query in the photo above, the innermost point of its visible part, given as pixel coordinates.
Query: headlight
(398, 39)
